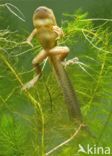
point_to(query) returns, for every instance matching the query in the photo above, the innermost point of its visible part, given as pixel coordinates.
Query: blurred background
(20, 122)
(95, 8)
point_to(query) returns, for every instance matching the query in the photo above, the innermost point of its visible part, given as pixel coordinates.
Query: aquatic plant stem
(34, 102)
(66, 141)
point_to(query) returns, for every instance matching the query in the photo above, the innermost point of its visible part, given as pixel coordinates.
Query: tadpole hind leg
(36, 64)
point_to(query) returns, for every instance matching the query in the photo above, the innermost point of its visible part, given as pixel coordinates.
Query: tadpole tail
(67, 88)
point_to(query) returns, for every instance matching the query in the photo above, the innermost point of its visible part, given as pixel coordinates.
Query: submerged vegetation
(36, 122)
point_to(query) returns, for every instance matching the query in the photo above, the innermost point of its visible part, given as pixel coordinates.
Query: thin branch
(9, 5)
(97, 19)
(66, 141)
(50, 97)
(26, 51)
(100, 49)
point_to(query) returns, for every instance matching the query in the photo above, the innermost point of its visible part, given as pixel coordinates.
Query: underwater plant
(35, 122)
